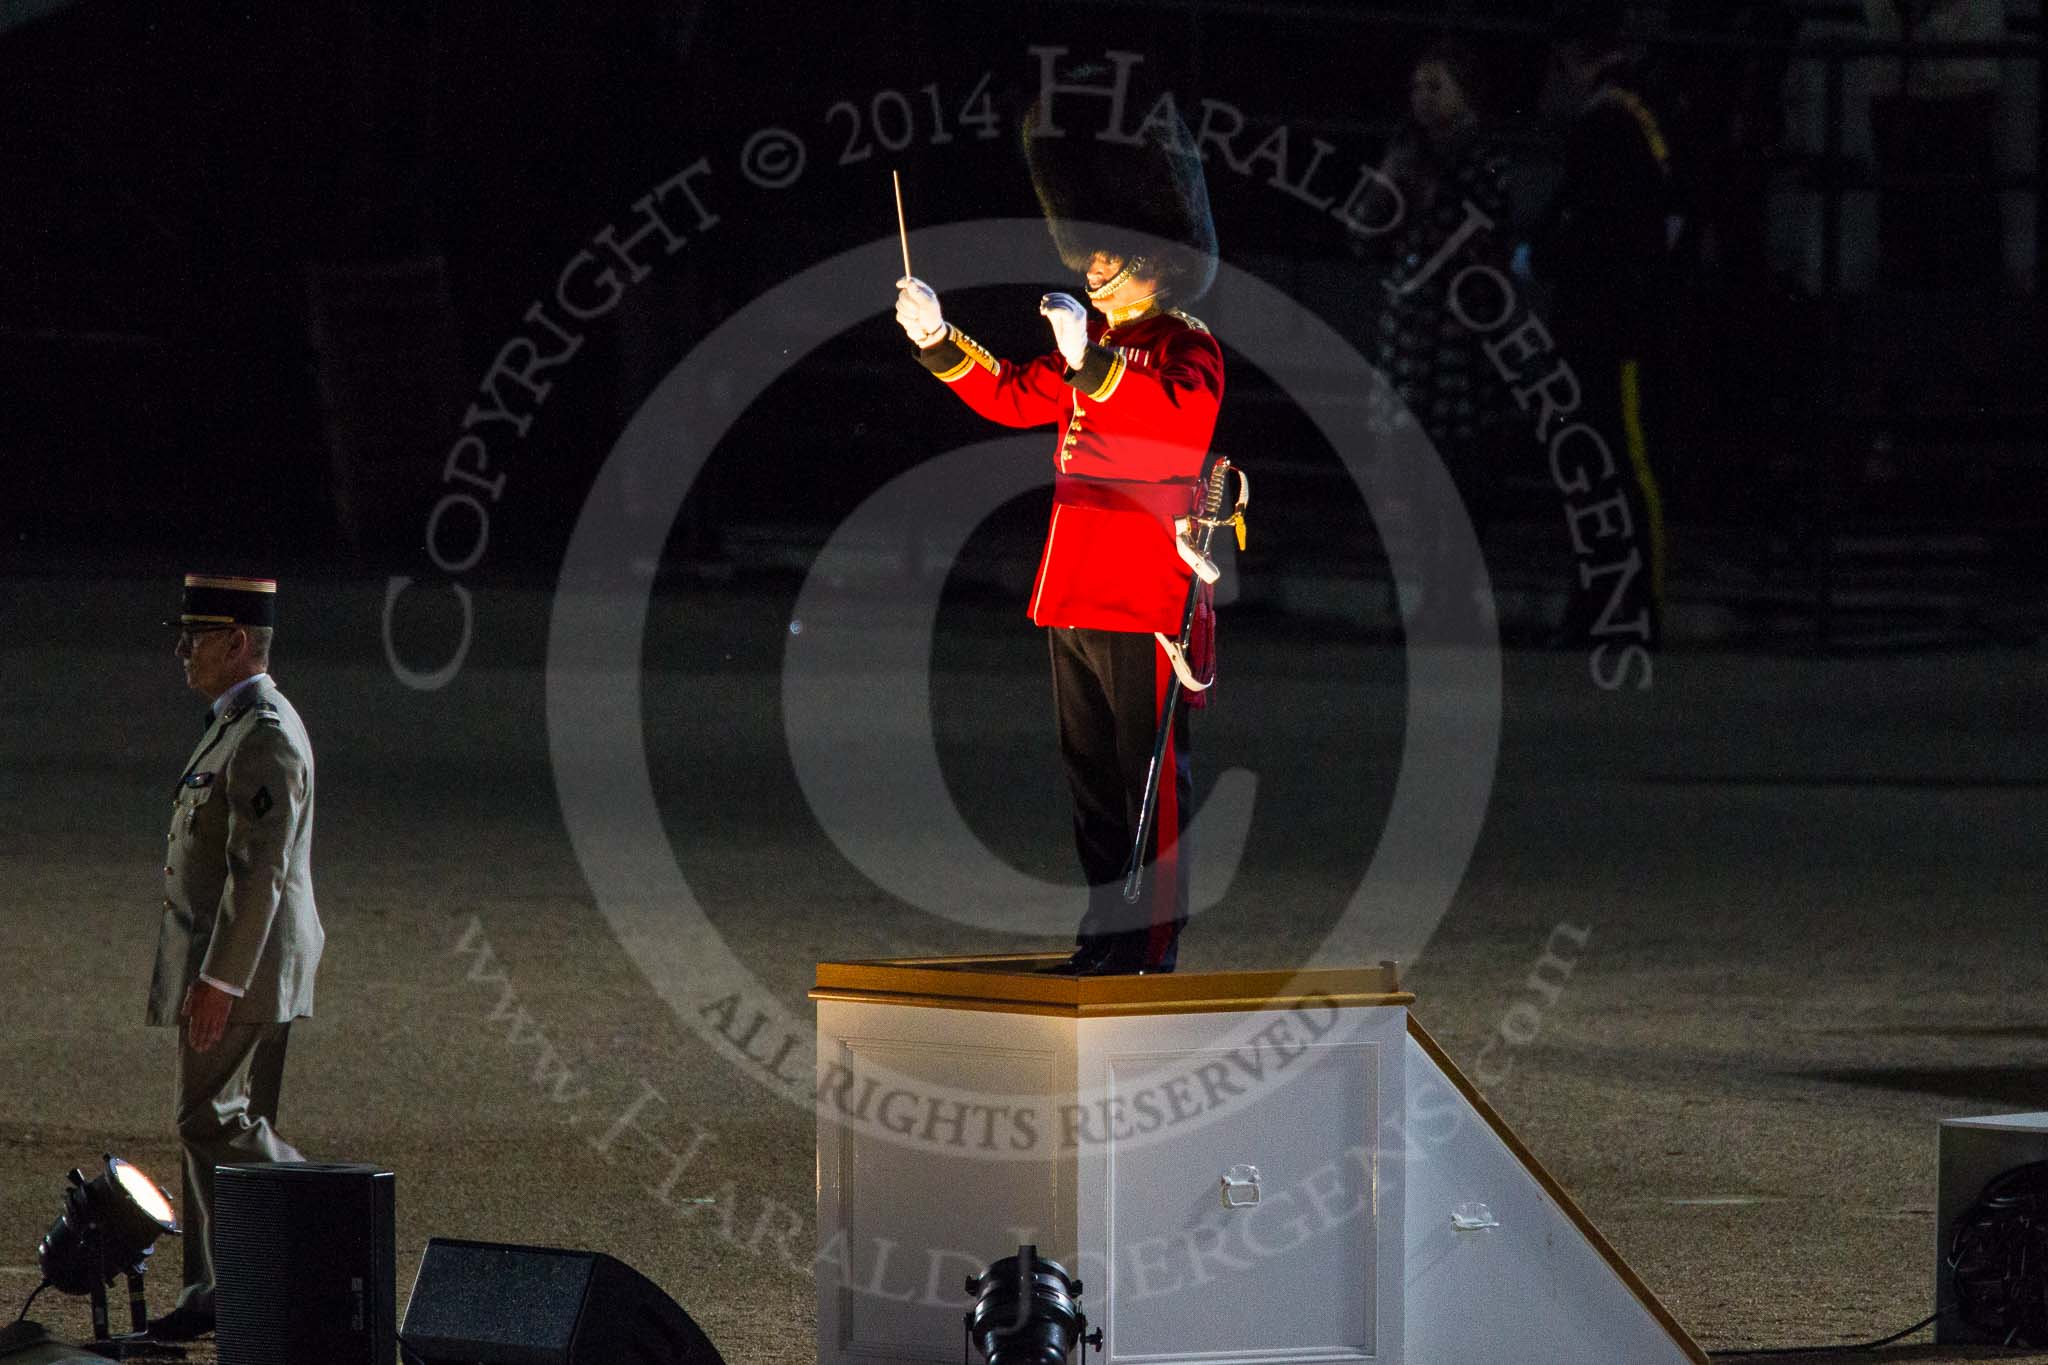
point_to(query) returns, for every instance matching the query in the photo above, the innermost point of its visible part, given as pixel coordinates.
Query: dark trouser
(1618, 570)
(227, 1104)
(1107, 688)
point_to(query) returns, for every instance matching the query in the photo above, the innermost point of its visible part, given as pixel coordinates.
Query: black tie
(206, 724)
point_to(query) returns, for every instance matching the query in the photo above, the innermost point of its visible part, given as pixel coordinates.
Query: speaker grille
(506, 1305)
(489, 1303)
(305, 1264)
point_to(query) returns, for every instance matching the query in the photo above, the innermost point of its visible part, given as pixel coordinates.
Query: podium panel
(1290, 1270)
(1503, 1268)
(917, 1189)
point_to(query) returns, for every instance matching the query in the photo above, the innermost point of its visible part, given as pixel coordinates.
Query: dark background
(194, 194)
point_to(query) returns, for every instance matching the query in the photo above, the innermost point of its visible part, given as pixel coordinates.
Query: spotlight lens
(140, 1188)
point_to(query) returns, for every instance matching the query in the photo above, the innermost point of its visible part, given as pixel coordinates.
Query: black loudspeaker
(485, 1303)
(305, 1265)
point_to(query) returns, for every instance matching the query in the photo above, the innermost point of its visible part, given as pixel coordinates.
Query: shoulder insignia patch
(261, 802)
(1193, 322)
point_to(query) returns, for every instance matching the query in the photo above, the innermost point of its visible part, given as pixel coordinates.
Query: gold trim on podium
(1015, 983)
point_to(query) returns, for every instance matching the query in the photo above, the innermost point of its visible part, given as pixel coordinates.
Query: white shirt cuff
(235, 991)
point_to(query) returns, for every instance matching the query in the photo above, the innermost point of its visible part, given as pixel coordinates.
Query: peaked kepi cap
(212, 600)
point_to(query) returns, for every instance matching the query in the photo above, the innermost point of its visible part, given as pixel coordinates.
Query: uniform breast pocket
(193, 799)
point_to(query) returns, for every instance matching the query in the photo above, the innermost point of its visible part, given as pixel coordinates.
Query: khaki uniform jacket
(238, 871)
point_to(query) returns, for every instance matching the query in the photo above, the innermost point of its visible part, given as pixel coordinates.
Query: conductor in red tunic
(1134, 388)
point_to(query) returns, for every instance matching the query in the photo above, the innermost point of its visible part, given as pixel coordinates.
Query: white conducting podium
(1242, 1168)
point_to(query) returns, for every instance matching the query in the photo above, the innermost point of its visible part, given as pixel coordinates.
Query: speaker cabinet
(305, 1270)
(485, 1303)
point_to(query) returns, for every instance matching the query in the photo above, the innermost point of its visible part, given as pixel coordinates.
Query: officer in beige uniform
(240, 939)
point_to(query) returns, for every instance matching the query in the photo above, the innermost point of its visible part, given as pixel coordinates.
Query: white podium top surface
(1017, 983)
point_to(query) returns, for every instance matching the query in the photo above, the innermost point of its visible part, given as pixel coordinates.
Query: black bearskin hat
(1101, 195)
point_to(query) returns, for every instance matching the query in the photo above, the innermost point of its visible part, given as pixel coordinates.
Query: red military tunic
(1137, 416)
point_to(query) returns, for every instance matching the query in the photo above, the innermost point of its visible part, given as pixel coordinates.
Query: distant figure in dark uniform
(1605, 246)
(240, 939)
(1440, 162)
(1136, 389)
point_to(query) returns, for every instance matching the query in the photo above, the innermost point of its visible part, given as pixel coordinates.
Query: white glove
(1069, 326)
(917, 312)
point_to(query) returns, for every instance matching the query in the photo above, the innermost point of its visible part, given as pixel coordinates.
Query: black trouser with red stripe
(1107, 688)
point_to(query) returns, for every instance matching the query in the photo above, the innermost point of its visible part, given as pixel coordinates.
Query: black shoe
(1120, 954)
(1094, 957)
(187, 1322)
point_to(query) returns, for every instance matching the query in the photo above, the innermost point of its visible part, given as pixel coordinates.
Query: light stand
(109, 1227)
(127, 1347)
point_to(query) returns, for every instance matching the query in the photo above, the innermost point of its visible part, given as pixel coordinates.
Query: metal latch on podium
(1240, 1187)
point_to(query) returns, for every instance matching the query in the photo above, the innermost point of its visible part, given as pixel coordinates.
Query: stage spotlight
(109, 1227)
(1027, 1311)
(1998, 1258)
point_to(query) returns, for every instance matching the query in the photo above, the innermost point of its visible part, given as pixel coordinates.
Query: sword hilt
(1213, 492)
(1193, 533)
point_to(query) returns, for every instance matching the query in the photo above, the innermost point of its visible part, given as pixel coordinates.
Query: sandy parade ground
(1795, 897)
